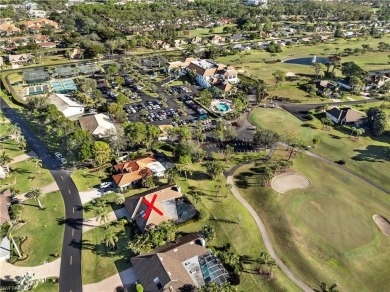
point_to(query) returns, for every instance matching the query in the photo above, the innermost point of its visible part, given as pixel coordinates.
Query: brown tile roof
(132, 171)
(137, 208)
(38, 23)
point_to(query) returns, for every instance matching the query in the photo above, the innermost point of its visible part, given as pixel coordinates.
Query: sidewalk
(124, 278)
(46, 189)
(23, 157)
(89, 224)
(51, 269)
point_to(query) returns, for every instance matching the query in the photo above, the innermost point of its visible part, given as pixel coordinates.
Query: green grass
(44, 232)
(304, 224)
(368, 156)
(9, 146)
(205, 32)
(47, 286)
(253, 64)
(344, 227)
(24, 176)
(85, 180)
(98, 262)
(243, 235)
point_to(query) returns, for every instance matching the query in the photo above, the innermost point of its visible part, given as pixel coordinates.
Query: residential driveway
(92, 223)
(124, 278)
(90, 195)
(52, 269)
(23, 157)
(46, 189)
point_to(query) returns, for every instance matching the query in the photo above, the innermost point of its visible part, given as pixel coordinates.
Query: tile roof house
(97, 124)
(216, 39)
(131, 172)
(180, 266)
(38, 23)
(169, 200)
(8, 29)
(345, 116)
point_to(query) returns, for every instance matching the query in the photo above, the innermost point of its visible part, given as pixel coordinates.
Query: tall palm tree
(111, 240)
(324, 287)
(6, 231)
(15, 131)
(5, 159)
(228, 187)
(36, 194)
(102, 217)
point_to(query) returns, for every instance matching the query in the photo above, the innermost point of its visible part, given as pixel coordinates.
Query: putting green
(336, 221)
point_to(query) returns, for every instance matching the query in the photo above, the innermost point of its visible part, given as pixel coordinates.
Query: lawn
(205, 32)
(231, 227)
(9, 146)
(325, 232)
(253, 64)
(368, 156)
(47, 286)
(24, 176)
(98, 262)
(43, 231)
(84, 179)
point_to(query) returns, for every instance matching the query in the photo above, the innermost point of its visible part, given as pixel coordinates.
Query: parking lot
(153, 110)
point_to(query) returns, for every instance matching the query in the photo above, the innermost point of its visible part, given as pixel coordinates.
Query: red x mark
(150, 207)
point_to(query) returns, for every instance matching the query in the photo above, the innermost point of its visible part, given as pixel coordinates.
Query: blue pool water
(222, 107)
(307, 61)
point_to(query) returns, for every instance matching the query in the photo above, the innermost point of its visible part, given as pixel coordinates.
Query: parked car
(105, 185)
(58, 155)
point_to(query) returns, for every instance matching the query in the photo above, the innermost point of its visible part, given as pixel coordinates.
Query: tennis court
(63, 86)
(37, 89)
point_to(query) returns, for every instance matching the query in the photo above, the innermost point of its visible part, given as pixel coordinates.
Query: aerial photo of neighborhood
(195, 145)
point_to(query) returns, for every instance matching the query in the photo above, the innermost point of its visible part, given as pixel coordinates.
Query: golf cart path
(51, 269)
(264, 233)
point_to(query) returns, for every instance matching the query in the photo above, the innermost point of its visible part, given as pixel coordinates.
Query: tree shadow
(76, 223)
(311, 126)
(198, 175)
(333, 136)
(373, 153)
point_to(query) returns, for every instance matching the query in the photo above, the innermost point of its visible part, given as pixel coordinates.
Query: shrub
(341, 162)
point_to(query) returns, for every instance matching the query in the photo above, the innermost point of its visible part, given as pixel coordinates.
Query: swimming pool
(221, 106)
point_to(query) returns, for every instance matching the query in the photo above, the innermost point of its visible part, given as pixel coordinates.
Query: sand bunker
(382, 223)
(287, 182)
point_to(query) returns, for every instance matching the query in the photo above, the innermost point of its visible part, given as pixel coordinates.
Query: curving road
(70, 271)
(263, 232)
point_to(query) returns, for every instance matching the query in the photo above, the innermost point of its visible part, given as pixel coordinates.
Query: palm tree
(26, 282)
(353, 131)
(359, 132)
(119, 199)
(22, 143)
(5, 159)
(37, 164)
(148, 182)
(172, 175)
(228, 187)
(324, 287)
(36, 194)
(15, 131)
(111, 240)
(102, 217)
(6, 231)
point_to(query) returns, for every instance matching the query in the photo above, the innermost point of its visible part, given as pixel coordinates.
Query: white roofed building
(66, 105)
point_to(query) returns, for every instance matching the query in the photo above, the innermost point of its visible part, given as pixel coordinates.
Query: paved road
(264, 233)
(70, 271)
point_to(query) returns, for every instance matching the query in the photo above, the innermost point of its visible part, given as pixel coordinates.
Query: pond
(307, 61)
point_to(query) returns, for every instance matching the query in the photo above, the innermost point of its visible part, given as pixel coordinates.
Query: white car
(58, 155)
(63, 160)
(105, 185)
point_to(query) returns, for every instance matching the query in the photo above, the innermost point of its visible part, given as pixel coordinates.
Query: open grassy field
(43, 229)
(369, 156)
(205, 32)
(253, 63)
(85, 180)
(325, 232)
(98, 262)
